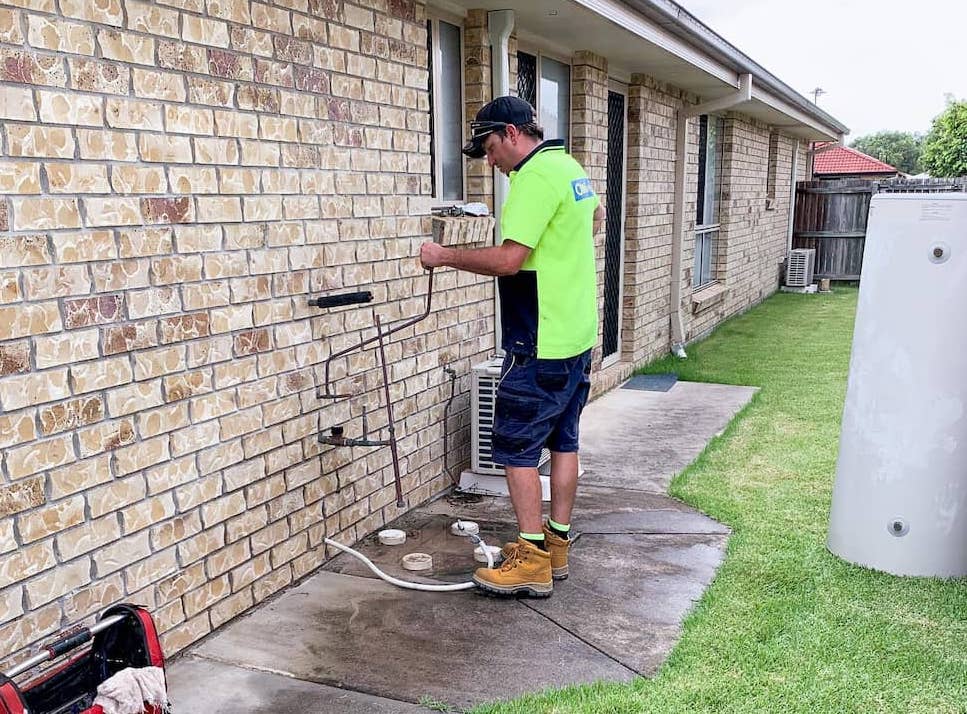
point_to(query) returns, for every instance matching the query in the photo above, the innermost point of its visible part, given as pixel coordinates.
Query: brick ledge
(708, 296)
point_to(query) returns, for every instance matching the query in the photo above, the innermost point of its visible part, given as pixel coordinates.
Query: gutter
(675, 19)
(742, 95)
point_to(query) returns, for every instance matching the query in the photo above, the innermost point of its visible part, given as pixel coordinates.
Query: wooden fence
(831, 218)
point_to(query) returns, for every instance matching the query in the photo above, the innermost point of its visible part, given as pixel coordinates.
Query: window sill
(708, 296)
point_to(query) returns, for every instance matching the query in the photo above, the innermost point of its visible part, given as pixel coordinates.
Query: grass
(786, 626)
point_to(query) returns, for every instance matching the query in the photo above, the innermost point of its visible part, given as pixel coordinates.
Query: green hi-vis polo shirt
(549, 308)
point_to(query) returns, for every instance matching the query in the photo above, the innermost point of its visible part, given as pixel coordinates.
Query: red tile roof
(844, 160)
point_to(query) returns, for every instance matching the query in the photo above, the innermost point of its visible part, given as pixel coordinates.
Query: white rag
(127, 691)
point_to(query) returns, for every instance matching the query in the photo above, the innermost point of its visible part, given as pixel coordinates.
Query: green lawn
(786, 626)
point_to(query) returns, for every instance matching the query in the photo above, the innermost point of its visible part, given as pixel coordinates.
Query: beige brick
(152, 84)
(174, 586)
(141, 515)
(205, 31)
(71, 415)
(17, 428)
(141, 455)
(21, 496)
(171, 474)
(42, 522)
(95, 76)
(105, 437)
(45, 213)
(27, 390)
(237, 181)
(146, 242)
(29, 629)
(26, 562)
(126, 46)
(186, 385)
(105, 145)
(134, 397)
(156, 363)
(141, 575)
(207, 595)
(151, 19)
(77, 178)
(99, 375)
(236, 124)
(122, 553)
(10, 27)
(165, 149)
(230, 319)
(197, 547)
(202, 90)
(154, 301)
(222, 509)
(163, 420)
(263, 208)
(176, 530)
(231, 607)
(79, 476)
(84, 246)
(188, 120)
(193, 179)
(270, 18)
(7, 540)
(19, 177)
(69, 108)
(131, 336)
(58, 582)
(186, 58)
(66, 348)
(52, 33)
(95, 597)
(220, 457)
(17, 103)
(178, 638)
(11, 604)
(56, 281)
(105, 12)
(205, 352)
(139, 179)
(208, 294)
(252, 41)
(216, 151)
(87, 537)
(252, 520)
(256, 153)
(196, 437)
(218, 209)
(236, 11)
(134, 114)
(120, 493)
(112, 211)
(20, 251)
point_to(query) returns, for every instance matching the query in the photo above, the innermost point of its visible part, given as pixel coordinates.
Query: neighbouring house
(178, 177)
(842, 162)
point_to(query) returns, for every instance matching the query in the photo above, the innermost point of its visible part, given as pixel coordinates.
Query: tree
(945, 148)
(899, 149)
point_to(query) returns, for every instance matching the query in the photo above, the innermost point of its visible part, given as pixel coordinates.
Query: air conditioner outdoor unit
(799, 267)
(483, 402)
(484, 476)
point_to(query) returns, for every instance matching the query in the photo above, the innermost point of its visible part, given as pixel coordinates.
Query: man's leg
(564, 485)
(524, 485)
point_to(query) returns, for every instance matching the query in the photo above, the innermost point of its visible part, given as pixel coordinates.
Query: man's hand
(432, 255)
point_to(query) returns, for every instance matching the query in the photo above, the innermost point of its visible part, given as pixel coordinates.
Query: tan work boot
(525, 571)
(556, 546)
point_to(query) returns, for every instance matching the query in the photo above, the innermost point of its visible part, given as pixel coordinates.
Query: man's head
(505, 132)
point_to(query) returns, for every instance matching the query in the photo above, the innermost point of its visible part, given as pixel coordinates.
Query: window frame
(707, 233)
(540, 53)
(434, 17)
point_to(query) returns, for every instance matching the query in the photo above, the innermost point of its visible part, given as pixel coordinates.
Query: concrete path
(344, 641)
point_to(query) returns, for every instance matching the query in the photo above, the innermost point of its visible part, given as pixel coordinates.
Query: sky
(882, 65)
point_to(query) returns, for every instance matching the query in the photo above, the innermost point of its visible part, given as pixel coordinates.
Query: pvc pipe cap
(417, 561)
(464, 528)
(392, 536)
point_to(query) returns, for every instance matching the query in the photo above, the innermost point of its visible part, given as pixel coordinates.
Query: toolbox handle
(64, 644)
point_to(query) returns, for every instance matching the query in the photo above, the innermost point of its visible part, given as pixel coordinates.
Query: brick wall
(176, 178)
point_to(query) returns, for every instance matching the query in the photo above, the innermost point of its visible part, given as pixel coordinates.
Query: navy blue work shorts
(539, 403)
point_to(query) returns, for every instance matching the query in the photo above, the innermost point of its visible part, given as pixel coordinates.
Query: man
(549, 318)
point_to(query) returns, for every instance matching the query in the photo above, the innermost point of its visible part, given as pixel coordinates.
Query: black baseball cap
(496, 115)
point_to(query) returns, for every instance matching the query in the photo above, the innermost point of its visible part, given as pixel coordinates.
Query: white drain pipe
(742, 95)
(426, 587)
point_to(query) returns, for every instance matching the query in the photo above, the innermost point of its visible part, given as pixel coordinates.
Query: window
(771, 171)
(707, 199)
(445, 46)
(546, 84)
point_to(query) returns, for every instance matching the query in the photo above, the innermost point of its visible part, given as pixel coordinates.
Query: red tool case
(124, 636)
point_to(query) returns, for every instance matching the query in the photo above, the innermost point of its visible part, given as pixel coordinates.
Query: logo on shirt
(582, 189)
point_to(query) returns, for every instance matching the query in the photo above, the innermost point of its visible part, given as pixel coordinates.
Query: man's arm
(599, 216)
(503, 259)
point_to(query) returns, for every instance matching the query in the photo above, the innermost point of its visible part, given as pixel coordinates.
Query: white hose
(452, 587)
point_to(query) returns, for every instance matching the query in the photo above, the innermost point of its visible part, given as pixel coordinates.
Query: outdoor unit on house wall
(900, 495)
(483, 401)
(799, 267)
